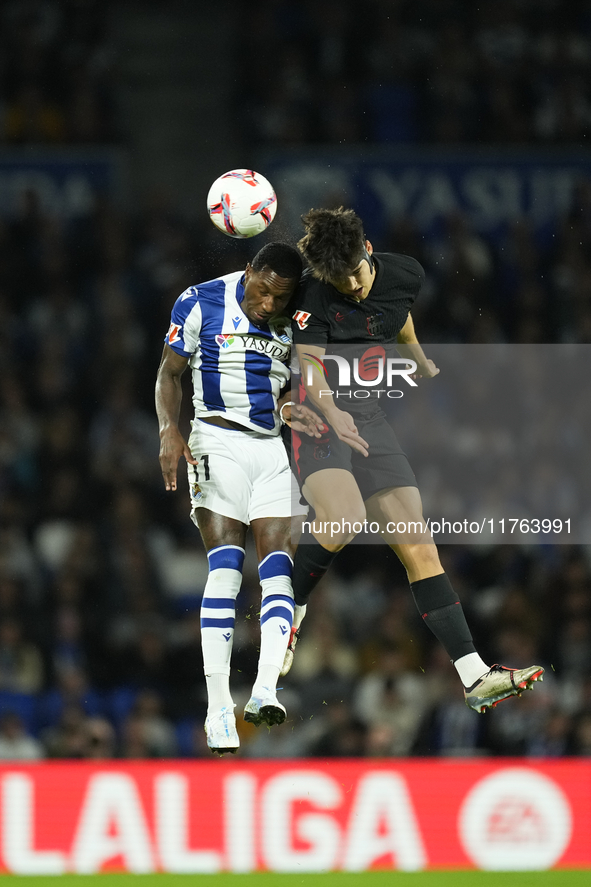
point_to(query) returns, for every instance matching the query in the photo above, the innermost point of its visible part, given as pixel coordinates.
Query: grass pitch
(330, 879)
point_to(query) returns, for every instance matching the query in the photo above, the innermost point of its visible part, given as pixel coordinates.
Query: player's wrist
(330, 411)
(288, 403)
(171, 428)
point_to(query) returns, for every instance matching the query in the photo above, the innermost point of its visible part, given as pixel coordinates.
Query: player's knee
(337, 528)
(345, 515)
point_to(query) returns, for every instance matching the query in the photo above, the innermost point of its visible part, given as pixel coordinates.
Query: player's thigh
(275, 492)
(387, 466)
(334, 495)
(312, 457)
(219, 482)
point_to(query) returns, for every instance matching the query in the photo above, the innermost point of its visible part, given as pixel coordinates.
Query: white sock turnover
(277, 608)
(470, 668)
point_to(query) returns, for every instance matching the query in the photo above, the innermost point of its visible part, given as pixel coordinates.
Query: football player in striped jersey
(232, 333)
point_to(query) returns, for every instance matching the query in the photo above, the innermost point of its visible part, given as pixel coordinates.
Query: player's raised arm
(321, 398)
(168, 405)
(408, 346)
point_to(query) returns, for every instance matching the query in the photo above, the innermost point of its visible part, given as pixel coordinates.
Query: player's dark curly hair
(281, 258)
(334, 242)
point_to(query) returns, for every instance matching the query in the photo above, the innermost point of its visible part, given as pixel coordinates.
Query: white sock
(277, 608)
(218, 692)
(299, 613)
(267, 677)
(218, 613)
(470, 668)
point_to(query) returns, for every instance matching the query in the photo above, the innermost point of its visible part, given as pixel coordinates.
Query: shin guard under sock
(276, 618)
(310, 564)
(218, 611)
(440, 607)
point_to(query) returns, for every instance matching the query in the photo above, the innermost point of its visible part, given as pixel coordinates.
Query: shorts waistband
(233, 432)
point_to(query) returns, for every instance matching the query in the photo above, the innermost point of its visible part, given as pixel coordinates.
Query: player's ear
(369, 247)
(247, 272)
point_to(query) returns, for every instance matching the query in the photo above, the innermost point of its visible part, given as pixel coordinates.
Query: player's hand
(426, 371)
(345, 429)
(303, 419)
(172, 447)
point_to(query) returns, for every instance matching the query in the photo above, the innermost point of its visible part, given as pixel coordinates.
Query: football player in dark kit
(352, 296)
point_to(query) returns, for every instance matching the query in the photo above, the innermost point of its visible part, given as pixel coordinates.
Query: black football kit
(324, 317)
(361, 331)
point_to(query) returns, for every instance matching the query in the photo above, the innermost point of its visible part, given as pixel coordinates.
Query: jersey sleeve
(185, 325)
(309, 324)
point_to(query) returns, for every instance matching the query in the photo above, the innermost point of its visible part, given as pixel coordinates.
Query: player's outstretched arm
(168, 405)
(342, 422)
(408, 346)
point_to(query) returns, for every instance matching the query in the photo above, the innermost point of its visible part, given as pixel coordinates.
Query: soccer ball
(241, 203)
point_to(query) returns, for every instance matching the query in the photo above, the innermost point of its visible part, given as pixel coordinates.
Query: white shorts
(241, 474)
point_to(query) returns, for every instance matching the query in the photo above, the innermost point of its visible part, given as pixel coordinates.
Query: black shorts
(385, 467)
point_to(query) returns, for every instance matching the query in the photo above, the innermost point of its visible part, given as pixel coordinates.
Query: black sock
(310, 564)
(440, 607)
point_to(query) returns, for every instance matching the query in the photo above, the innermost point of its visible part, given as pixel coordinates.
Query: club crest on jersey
(282, 335)
(224, 340)
(375, 324)
(301, 318)
(173, 333)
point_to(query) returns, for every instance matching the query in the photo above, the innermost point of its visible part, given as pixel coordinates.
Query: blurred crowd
(101, 572)
(445, 71)
(55, 70)
(515, 289)
(402, 71)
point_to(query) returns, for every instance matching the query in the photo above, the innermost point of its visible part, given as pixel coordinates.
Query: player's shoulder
(209, 292)
(213, 290)
(307, 307)
(398, 263)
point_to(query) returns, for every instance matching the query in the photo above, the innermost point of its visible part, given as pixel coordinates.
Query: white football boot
(222, 736)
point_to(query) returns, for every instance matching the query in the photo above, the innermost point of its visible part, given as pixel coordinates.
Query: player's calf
(277, 607)
(218, 613)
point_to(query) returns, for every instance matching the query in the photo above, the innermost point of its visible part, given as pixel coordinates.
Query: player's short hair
(281, 258)
(334, 242)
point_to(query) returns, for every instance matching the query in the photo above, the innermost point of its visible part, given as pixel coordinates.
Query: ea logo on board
(515, 820)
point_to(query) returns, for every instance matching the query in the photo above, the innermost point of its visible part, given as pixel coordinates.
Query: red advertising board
(208, 816)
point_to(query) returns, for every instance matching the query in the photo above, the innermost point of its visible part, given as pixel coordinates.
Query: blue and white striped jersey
(238, 369)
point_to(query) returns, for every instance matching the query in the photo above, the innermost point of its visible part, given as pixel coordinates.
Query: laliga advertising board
(192, 817)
